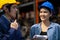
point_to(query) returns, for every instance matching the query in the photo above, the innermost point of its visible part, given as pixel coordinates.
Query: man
(9, 28)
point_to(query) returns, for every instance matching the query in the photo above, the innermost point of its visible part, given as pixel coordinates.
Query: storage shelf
(26, 4)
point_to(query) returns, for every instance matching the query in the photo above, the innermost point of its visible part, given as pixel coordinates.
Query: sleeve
(19, 34)
(6, 36)
(59, 32)
(32, 32)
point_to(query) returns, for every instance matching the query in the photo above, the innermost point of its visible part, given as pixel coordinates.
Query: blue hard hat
(48, 5)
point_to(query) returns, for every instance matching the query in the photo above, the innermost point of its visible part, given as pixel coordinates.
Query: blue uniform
(7, 33)
(53, 31)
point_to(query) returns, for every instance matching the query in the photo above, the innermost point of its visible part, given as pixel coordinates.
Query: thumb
(15, 21)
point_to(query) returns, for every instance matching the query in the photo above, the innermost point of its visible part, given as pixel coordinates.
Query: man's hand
(14, 25)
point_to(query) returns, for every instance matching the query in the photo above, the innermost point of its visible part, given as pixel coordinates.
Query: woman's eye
(40, 11)
(45, 12)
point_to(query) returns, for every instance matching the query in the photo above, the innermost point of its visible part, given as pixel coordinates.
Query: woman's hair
(46, 8)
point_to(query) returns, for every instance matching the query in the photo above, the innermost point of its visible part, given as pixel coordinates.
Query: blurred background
(28, 14)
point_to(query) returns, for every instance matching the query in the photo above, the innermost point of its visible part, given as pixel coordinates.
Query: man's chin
(13, 18)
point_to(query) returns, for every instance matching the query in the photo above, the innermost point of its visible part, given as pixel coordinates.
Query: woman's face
(44, 14)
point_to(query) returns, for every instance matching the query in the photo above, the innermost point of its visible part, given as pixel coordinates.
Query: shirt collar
(7, 18)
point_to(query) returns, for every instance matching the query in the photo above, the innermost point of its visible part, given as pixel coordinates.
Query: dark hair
(46, 8)
(51, 11)
(9, 6)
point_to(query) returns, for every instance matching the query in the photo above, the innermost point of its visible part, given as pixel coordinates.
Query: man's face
(13, 11)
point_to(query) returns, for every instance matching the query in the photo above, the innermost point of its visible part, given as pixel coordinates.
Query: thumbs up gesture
(14, 25)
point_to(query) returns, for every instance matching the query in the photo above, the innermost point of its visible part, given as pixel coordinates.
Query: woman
(46, 28)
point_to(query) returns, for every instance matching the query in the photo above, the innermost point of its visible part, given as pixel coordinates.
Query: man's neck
(8, 17)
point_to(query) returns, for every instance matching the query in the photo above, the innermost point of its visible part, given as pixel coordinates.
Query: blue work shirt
(53, 31)
(7, 33)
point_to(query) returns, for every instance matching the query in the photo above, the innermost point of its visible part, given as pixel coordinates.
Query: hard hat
(2, 2)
